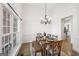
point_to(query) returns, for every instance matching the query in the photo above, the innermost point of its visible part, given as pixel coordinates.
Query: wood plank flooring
(25, 49)
(67, 48)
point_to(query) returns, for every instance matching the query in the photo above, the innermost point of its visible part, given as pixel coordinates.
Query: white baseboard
(26, 41)
(18, 48)
(15, 50)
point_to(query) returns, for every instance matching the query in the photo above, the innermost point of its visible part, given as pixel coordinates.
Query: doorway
(66, 27)
(66, 34)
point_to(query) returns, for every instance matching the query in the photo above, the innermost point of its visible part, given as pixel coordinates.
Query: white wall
(31, 21)
(64, 10)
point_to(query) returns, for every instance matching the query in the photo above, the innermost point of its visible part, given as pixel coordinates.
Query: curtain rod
(14, 11)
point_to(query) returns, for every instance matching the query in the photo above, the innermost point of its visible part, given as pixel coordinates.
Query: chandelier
(46, 19)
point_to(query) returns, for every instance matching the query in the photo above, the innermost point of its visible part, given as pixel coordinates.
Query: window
(6, 30)
(9, 30)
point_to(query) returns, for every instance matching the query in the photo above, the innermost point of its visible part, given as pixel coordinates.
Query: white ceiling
(40, 5)
(50, 6)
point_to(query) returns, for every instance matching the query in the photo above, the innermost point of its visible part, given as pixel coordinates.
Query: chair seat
(50, 51)
(49, 48)
(55, 52)
(37, 47)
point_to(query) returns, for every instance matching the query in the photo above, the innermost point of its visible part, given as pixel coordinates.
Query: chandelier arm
(46, 17)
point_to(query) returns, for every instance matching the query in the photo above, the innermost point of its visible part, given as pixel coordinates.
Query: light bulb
(49, 19)
(41, 18)
(47, 16)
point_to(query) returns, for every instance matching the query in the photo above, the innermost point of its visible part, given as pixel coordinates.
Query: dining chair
(38, 37)
(54, 37)
(49, 36)
(39, 34)
(56, 47)
(37, 46)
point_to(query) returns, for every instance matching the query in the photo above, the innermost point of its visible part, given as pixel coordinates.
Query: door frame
(62, 23)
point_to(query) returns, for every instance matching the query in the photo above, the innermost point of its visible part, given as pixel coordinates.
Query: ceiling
(50, 6)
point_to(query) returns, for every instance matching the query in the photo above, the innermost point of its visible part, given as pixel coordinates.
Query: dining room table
(46, 42)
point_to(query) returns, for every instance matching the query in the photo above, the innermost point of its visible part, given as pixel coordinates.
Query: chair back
(56, 47)
(54, 37)
(38, 37)
(49, 36)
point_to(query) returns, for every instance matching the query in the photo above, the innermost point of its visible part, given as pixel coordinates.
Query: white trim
(16, 50)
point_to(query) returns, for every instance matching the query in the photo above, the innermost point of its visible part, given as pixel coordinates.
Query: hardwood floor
(24, 50)
(66, 48)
